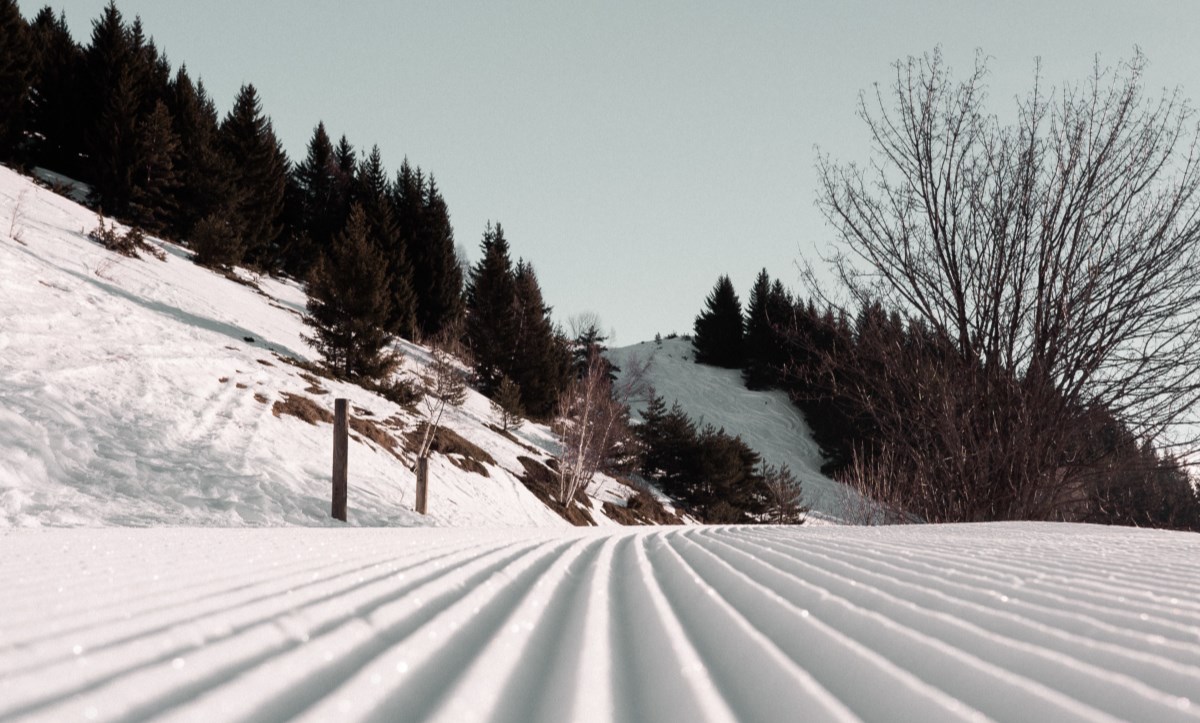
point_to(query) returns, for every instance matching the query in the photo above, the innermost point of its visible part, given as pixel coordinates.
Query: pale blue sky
(635, 149)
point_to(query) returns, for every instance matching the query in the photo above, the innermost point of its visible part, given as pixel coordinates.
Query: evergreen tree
(587, 342)
(760, 336)
(295, 246)
(491, 314)
(650, 435)
(767, 317)
(678, 454)
(718, 339)
(438, 279)
(371, 190)
(259, 173)
(506, 407)
(347, 165)
(112, 96)
(784, 495)
(203, 172)
(152, 200)
(57, 116)
(155, 71)
(151, 70)
(728, 485)
(539, 363)
(216, 242)
(317, 178)
(16, 71)
(370, 180)
(348, 304)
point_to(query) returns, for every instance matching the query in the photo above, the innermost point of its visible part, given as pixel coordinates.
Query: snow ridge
(1010, 622)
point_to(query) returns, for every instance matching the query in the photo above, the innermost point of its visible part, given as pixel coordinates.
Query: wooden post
(340, 452)
(422, 483)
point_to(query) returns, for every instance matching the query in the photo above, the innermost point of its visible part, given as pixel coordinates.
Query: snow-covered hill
(765, 420)
(147, 392)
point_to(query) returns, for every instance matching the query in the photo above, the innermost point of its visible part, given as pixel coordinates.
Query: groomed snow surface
(1009, 621)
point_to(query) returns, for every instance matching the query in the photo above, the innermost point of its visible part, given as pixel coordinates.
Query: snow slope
(141, 392)
(766, 420)
(1008, 621)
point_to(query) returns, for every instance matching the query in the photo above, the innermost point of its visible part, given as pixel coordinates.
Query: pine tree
(371, 190)
(438, 279)
(112, 95)
(491, 319)
(317, 177)
(590, 340)
(370, 179)
(424, 224)
(156, 75)
(506, 407)
(784, 495)
(729, 487)
(203, 172)
(677, 456)
(16, 74)
(347, 165)
(650, 436)
(216, 241)
(718, 339)
(57, 113)
(768, 316)
(259, 172)
(539, 362)
(348, 304)
(152, 200)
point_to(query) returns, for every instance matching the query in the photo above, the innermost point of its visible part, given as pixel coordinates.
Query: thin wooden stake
(341, 447)
(422, 483)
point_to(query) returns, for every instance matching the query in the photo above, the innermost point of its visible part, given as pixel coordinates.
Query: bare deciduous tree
(445, 386)
(592, 423)
(1054, 261)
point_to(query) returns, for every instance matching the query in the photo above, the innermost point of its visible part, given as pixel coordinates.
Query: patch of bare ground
(314, 384)
(464, 454)
(302, 407)
(513, 438)
(377, 434)
(543, 483)
(642, 508)
(260, 398)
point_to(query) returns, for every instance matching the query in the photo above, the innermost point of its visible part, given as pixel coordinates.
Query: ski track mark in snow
(713, 623)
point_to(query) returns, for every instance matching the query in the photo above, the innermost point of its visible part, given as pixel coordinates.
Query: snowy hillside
(765, 420)
(147, 392)
(1018, 622)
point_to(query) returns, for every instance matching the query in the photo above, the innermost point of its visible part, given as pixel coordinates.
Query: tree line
(906, 423)
(148, 140)
(1022, 317)
(376, 250)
